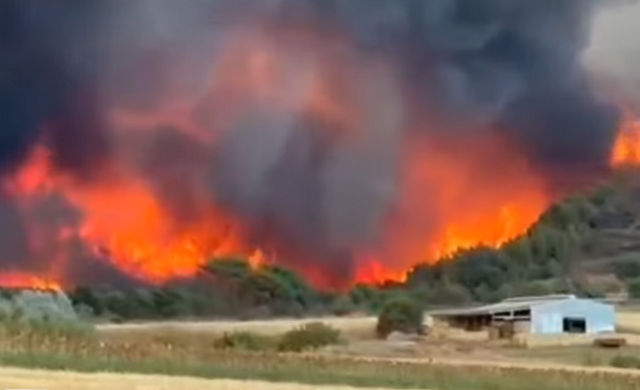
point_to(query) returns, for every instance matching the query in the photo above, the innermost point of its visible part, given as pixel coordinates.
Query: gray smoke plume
(455, 65)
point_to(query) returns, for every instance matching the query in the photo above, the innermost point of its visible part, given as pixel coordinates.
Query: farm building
(544, 315)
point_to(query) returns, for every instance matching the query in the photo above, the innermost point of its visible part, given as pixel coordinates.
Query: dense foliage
(588, 245)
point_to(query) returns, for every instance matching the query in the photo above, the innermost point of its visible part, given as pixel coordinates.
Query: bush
(400, 314)
(624, 361)
(246, 341)
(342, 306)
(309, 336)
(42, 315)
(35, 305)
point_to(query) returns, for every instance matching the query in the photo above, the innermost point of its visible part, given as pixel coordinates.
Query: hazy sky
(615, 44)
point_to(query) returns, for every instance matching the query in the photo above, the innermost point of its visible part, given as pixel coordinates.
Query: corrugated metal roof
(546, 298)
(512, 304)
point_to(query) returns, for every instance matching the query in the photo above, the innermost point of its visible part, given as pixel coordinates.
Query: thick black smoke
(464, 65)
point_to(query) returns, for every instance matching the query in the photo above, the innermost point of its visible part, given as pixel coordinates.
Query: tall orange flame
(460, 195)
(626, 150)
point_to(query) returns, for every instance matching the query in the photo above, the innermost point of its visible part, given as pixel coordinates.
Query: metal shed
(551, 314)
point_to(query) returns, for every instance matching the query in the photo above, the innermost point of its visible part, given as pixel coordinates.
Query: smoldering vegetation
(442, 69)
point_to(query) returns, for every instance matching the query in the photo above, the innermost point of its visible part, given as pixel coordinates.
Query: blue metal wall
(547, 318)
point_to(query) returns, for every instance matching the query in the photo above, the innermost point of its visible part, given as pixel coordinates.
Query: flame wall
(349, 139)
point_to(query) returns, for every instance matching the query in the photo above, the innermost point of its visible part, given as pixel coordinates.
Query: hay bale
(610, 342)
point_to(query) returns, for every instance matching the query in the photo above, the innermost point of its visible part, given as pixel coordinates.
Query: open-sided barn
(544, 315)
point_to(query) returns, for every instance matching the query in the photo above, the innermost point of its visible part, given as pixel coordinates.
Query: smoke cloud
(441, 68)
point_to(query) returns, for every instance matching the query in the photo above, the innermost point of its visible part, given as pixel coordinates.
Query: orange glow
(124, 221)
(371, 271)
(25, 281)
(452, 194)
(258, 259)
(626, 150)
(33, 177)
(460, 195)
(142, 238)
(476, 189)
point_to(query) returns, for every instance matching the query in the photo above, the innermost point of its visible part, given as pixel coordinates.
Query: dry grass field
(11, 378)
(359, 359)
(444, 346)
(629, 321)
(192, 349)
(351, 326)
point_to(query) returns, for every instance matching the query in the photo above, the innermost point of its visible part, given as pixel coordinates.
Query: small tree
(400, 314)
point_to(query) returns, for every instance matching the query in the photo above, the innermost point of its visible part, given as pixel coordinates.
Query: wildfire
(141, 237)
(472, 205)
(125, 221)
(453, 194)
(626, 150)
(258, 259)
(20, 280)
(371, 271)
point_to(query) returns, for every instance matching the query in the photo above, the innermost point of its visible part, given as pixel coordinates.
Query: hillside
(588, 244)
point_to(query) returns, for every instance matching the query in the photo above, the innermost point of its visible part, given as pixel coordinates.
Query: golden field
(445, 345)
(13, 378)
(629, 321)
(359, 325)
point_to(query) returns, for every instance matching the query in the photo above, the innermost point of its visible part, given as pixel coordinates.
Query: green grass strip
(326, 371)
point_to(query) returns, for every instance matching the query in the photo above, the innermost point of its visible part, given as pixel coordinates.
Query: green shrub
(625, 361)
(244, 341)
(400, 314)
(309, 336)
(37, 305)
(41, 316)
